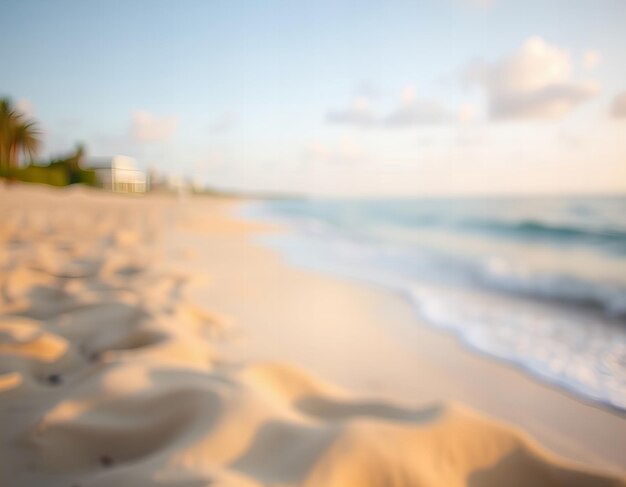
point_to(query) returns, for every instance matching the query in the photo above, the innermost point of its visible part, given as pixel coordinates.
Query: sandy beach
(153, 341)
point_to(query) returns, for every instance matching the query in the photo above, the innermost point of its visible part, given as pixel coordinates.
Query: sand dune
(109, 376)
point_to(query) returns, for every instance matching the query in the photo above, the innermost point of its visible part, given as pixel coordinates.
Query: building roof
(111, 162)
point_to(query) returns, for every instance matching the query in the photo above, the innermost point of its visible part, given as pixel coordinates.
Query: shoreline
(153, 341)
(328, 251)
(407, 341)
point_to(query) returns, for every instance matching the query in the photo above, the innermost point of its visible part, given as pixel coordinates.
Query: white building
(119, 174)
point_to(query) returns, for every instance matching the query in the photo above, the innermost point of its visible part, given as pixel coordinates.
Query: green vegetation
(20, 139)
(17, 135)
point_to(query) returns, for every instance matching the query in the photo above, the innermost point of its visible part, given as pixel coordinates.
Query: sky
(332, 97)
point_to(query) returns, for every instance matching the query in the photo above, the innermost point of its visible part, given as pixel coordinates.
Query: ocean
(536, 282)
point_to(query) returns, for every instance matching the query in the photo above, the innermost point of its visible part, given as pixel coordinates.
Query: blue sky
(332, 97)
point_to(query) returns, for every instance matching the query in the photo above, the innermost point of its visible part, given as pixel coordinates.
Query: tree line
(20, 141)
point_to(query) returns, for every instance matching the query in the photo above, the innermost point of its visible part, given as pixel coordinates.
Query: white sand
(115, 371)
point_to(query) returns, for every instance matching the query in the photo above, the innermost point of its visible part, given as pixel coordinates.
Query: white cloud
(413, 111)
(591, 59)
(417, 113)
(553, 101)
(534, 82)
(410, 111)
(147, 127)
(359, 113)
(618, 107)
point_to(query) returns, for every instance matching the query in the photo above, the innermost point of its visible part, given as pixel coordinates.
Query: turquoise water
(537, 282)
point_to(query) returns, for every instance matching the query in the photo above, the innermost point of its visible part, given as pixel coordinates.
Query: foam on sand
(108, 376)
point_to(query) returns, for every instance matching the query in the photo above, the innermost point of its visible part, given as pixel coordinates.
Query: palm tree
(8, 120)
(25, 139)
(16, 135)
